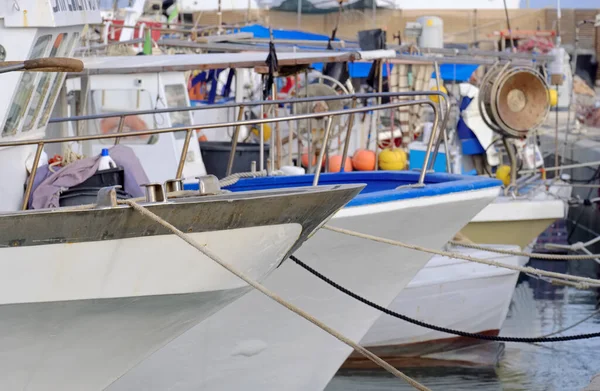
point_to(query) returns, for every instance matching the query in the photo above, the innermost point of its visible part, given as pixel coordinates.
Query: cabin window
(117, 101)
(57, 81)
(110, 4)
(176, 96)
(57, 50)
(24, 89)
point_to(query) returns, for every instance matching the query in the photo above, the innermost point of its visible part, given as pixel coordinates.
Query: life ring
(131, 122)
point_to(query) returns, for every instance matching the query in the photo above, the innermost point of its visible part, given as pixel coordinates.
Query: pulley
(514, 100)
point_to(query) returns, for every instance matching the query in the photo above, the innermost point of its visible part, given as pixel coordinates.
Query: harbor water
(537, 308)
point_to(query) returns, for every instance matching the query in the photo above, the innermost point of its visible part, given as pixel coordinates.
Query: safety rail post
(36, 162)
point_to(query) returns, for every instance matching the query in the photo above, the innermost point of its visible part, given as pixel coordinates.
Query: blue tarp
(449, 72)
(263, 32)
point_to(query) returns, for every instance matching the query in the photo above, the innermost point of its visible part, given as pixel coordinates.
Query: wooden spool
(514, 100)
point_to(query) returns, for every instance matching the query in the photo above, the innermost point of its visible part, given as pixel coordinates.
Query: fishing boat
(89, 292)
(481, 294)
(502, 219)
(392, 205)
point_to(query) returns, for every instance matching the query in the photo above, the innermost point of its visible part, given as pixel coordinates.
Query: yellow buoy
(266, 131)
(553, 97)
(503, 173)
(435, 98)
(392, 159)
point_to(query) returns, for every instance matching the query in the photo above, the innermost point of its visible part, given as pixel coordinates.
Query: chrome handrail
(442, 135)
(189, 129)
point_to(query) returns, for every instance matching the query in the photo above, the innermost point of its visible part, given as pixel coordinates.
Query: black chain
(438, 328)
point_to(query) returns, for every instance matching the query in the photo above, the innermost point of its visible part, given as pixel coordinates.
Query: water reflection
(538, 307)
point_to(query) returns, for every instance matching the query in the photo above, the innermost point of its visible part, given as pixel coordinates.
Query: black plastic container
(104, 178)
(87, 191)
(215, 155)
(85, 195)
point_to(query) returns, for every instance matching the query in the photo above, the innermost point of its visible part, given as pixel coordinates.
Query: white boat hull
(519, 221)
(87, 312)
(450, 293)
(256, 344)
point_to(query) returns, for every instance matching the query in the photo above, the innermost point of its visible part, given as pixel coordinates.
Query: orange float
(313, 163)
(363, 160)
(335, 164)
(131, 122)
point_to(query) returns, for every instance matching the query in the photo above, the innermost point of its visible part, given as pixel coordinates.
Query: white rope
(563, 167)
(523, 253)
(581, 282)
(206, 251)
(234, 178)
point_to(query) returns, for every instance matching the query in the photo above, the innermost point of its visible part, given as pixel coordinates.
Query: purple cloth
(48, 185)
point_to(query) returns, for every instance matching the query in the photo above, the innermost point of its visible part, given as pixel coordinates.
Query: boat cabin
(33, 29)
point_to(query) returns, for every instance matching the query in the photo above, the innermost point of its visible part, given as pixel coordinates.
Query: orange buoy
(363, 160)
(335, 164)
(305, 160)
(314, 161)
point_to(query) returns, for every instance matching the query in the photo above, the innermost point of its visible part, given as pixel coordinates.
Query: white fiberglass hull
(78, 322)
(255, 344)
(450, 293)
(520, 220)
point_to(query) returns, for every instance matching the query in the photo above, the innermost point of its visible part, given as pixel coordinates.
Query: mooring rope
(439, 328)
(576, 281)
(256, 285)
(523, 253)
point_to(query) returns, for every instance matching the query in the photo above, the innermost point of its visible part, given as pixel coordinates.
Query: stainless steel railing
(189, 129)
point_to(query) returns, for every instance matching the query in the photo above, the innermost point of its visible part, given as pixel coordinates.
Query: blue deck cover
(381, 185)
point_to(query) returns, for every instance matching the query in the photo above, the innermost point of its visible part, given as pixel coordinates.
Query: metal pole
(120, 128)
(380, 90)
(234, 141)
(444, 125)
(556, 153)
(261, 163)
(299, 20)
(308, 129)
(348, 134)
(297, 123)
(374, 13)
(322, 152)
(429, 147)
(443, 130)
(219, 18)
(277, 142)
(184, 150)
(36, 162)
(573, 72)
(513, 161)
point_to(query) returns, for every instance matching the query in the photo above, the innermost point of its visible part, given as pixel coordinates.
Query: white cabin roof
(186, 62)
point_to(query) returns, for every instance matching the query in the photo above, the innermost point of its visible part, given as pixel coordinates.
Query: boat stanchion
(184, 151)
(323, 149)
(208, 185)
(173, 185)
(107, 197)
(155, 192)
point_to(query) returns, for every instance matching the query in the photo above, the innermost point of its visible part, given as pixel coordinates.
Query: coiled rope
(256, 285)
(575, 281)
(438, 328)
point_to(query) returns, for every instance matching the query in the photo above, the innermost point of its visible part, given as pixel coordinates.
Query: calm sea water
(537, 308)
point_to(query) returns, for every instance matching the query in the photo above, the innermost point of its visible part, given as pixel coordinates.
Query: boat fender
(392, 159)
(503, 173)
